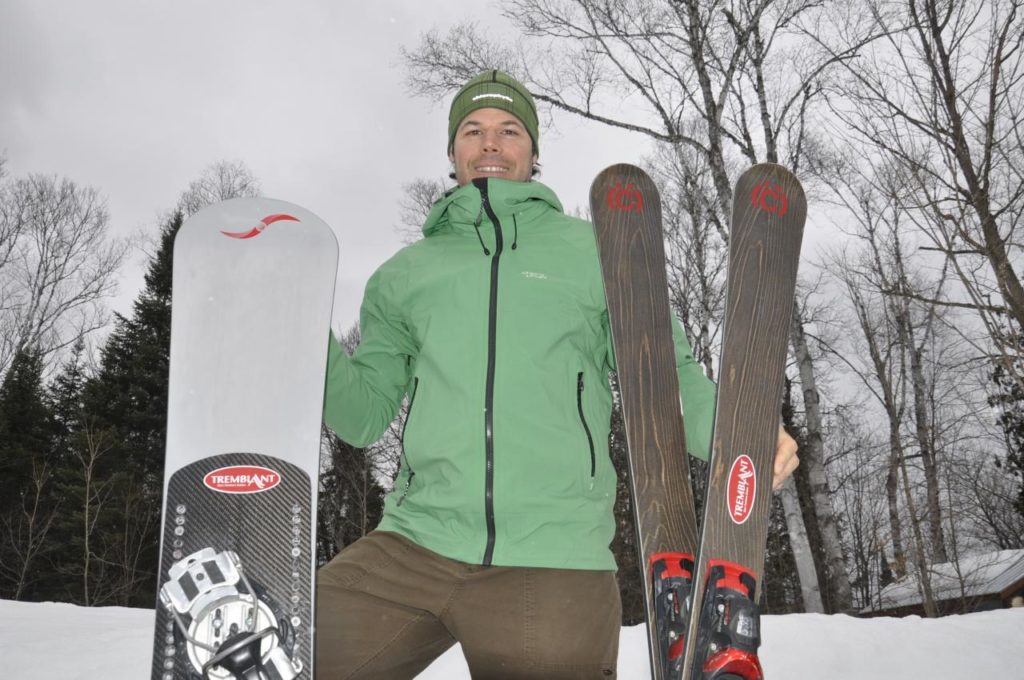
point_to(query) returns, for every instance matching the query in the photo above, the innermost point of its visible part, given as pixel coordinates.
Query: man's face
(492, 143)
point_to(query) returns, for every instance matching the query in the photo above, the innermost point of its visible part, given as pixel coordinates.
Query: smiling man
(492, 130)
(494, 327)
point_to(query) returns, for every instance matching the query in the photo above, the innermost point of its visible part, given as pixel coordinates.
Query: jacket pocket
(409, 472)
(583, 421)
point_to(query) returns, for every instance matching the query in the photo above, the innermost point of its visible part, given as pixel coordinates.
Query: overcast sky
(136, 98)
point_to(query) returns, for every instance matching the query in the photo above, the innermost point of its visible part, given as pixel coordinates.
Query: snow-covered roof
(969, 577)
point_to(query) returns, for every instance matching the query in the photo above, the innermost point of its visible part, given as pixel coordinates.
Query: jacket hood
(461, 207)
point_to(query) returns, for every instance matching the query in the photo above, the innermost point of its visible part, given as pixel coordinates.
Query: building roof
(969, 577)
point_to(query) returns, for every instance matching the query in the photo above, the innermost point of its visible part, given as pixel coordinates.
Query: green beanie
(496, 90)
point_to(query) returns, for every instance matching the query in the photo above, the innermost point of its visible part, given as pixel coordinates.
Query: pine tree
(624, 545)
(780, 588)
(65, 399)
(1008, 398)
(68, 582)
(27, 502)
(122, 443)
(351, 500)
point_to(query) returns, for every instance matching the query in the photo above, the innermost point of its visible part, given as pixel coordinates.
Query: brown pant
(386, 608)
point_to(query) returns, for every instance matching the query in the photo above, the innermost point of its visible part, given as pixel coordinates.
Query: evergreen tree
(780, 588)
(624, 545)
(123, 441)
(1008, 397)
(71, 581)
(27, 502)
(65, 399)
(351, 499)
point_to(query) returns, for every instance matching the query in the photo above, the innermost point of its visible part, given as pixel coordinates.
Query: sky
(137, 98)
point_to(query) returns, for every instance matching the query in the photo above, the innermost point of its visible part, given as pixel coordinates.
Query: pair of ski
(701, 593)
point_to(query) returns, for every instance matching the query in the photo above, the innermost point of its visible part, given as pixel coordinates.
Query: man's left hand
(786, 459)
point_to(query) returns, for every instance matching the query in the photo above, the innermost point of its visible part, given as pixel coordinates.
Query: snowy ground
(63, 642)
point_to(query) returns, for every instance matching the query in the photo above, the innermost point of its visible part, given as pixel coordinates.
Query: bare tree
(219, 182)
(96, 495)
(654, 67)
(696, 254)
(988, 515)
(57, 264)
(942, 98)
(26, 532)
(859, 472)
(418, 197)
(813, 460)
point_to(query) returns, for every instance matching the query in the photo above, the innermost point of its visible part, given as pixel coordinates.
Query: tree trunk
(810, 589)
(920, 560)
(922, 428)
(892, 481)
(928, 456)
(813, 457)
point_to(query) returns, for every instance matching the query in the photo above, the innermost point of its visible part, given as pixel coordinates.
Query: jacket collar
(461, 207)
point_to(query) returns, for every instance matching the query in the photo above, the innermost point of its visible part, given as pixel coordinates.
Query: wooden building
(975, 583)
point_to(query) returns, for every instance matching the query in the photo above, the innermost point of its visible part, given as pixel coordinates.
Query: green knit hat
(497, 90)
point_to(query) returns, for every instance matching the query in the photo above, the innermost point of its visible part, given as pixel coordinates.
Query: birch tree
(941, 97)
(58, 263)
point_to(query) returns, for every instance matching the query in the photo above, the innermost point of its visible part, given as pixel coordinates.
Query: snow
(52, 641)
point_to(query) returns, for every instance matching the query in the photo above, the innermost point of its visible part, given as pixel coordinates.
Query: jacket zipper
(492, 329)
(586, 428)
(401, 441)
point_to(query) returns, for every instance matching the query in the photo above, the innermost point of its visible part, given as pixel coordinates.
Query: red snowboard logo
(625, 198)
(770, 197)
(263, 224)
(742, 489)
(242, 479)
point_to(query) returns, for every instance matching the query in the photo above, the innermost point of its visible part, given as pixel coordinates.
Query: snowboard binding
(672, 579)
(229, 626)
(730, 623)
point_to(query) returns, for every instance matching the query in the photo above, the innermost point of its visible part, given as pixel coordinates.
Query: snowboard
(768, 213)
(626, 211)
(253, 288)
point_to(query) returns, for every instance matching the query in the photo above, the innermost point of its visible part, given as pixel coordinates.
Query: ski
(253, 288)
(626, 211)
(723, 635)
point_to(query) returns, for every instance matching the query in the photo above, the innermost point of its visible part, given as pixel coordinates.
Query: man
(495, 325)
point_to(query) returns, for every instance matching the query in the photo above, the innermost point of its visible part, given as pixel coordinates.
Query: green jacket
(495, 326)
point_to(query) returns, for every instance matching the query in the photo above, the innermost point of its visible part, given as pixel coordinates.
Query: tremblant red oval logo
(242, 479)
(742, 489)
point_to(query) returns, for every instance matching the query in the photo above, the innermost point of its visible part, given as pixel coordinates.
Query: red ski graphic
(263, 224)
(770, 197)
(625, 198)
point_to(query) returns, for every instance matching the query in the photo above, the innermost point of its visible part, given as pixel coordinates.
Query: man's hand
(786, 459)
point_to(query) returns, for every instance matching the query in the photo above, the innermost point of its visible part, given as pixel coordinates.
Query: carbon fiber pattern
(264, 528)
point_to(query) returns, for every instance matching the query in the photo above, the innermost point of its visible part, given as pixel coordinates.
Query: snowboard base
(235, 575)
